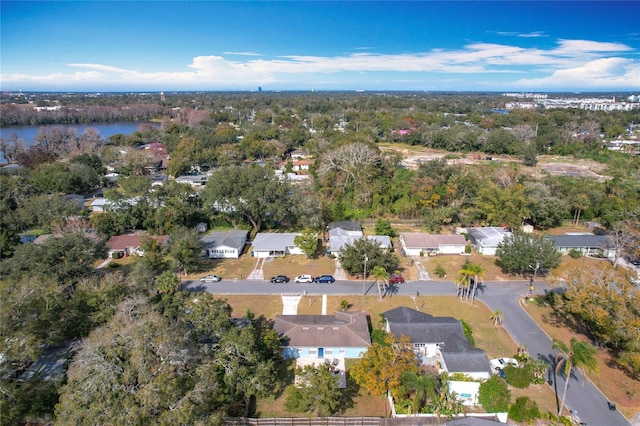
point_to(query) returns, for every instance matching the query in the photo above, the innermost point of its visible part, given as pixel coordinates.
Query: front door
(320, 352)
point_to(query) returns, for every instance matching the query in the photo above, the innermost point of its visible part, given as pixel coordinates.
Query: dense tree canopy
(526, 254)
(352, 257)
(252, 193)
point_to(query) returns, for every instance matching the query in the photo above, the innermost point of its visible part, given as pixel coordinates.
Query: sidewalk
(339, 273)
(257, 273)
(423, 275)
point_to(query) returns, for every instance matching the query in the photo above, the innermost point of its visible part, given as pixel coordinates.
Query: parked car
(499, 363)
(279, 279)
(396, 279)
(210, 279)
(304, 278)
(324, 279)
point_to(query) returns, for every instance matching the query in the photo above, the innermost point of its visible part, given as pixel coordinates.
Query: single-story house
(198, 180)
(441, 338)
(486, 239)
(99, 205)
(274, 245)
(224, 244)
(383, 240)
(301, 165)
(130, 243)
(414, 243)
(342, 335)
(298, 154)
(338, 238)
(588, 244)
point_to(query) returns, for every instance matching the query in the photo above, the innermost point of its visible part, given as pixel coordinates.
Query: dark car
(280, 279)
(396, 279)
(324, 279)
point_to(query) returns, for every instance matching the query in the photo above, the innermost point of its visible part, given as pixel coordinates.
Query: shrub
(345, 305)
(467, 248)
(524, 410)
(440, 271)
(575, 254)
(519, 377)
(494, 395)
(468, 333)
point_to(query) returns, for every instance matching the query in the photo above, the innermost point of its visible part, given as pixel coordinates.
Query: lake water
(28, 133)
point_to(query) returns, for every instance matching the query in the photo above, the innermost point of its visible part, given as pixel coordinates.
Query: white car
(210, 279)
(500, 363)
(304, 279)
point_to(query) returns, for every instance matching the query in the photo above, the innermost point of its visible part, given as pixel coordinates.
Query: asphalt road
(583, 397)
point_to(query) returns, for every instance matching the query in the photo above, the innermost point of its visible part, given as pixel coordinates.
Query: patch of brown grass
(542, 394)
(610, 379)
(453, 263)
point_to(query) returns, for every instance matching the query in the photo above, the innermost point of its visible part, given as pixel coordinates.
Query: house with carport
(416, 243)
(224, 244)
(271, 244)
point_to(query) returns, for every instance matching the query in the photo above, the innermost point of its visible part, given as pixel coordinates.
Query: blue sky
(329, 45)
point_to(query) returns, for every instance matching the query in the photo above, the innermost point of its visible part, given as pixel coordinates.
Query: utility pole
(533, 277)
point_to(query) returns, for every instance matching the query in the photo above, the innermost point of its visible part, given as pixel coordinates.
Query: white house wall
(451, 249)
(223, 252)
(294, 250)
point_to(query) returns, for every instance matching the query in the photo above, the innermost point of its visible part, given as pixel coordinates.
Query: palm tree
(379, 273)
(470, 273)
(420, 387)
(497, 317)
(477, 271)
(462, 282)
(577, 354)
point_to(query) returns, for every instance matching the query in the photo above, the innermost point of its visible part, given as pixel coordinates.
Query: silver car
(210, 279)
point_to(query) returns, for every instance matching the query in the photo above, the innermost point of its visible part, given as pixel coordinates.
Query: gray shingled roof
(233, 238)
(347, 225)
(344, 329)
(461, 357)
(420, 327)
(268, 241)
(582, 241)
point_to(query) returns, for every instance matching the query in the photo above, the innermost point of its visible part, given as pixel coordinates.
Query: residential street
(583, 397)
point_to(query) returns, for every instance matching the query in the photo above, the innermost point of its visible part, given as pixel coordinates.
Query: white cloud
(242, 53)
(100, 67)
(532, 34)
(574, 63)
(602, 73)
